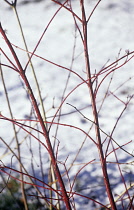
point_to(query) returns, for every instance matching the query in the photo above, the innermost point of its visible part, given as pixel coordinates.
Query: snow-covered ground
(110, 36)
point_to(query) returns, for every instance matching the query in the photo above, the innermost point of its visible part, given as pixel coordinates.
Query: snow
(110, 35)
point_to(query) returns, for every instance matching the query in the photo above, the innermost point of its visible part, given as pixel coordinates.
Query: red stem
(46, 134)
(95, 114)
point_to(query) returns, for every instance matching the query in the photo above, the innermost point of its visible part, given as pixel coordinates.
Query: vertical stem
(17, 141)
(37, 86)
(46, 134)
(31, 64)
(95, 114)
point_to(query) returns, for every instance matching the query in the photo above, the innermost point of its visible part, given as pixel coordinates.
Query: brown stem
(95, 114)
(46, 134)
